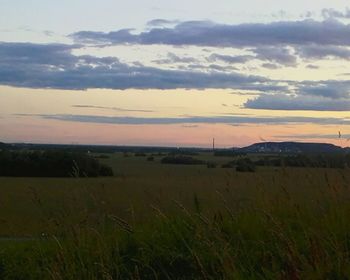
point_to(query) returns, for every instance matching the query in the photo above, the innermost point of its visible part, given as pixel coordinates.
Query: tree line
(51, 164)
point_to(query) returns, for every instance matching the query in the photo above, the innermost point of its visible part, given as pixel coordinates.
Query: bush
(183, 152)
(106, 170)
(150, 158)
(245, 165)
(228, 153)
(102, 157)
(211, 164)
(140, 154)
(306, 160)
(227, 165)
(181, 160)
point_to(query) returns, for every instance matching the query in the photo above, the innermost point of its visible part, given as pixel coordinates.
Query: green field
(159, 221)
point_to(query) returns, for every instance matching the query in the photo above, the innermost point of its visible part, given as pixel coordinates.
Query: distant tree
(228, 165)
(245, 165)
(211, 164)
(54, 163)
(140, 154)
(150, 158)
(181, 160)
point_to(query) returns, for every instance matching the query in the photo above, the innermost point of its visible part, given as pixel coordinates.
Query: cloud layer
(54, 66)
(269, 46)
(230, 120)
(205, 33)
(309, 103)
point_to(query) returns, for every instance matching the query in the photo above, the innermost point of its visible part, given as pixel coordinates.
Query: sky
(174, 73)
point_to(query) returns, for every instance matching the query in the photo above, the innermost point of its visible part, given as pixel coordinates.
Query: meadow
(162, 221)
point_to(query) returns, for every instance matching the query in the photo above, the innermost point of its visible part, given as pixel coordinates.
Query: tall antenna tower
(213, 144)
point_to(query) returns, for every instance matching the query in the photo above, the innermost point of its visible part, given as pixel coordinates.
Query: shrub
(245, 165)
(102, 157)
(228, 153)
(227, 165)
(211, 164)
(151, 158)
(181, 160)
(140, 154)
(106, 170)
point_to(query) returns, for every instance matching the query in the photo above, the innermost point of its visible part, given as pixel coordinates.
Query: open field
(159, 221)
(138, 185)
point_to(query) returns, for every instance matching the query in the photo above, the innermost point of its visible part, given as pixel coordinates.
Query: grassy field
(158, 221)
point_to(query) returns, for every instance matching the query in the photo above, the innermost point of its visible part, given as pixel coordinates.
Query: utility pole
(213, 144)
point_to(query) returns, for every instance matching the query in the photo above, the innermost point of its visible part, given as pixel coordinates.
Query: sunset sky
(174, 73)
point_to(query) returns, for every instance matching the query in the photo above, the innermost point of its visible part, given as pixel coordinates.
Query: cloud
(328, 89)
(230, 59)
(329, 95)
(230, 120)
(309, 103)
(221, 68)
(276, 55)
(54, 66)
(270, 66)
(280, 55)
(161, 22)
(205, 33)
(48, 33)
(173, 58)
(322, 52)
(332, 13)
(313, 136)
(112, 108)
(190, 125)
(36, 54)
(205, 67)
(121, 36)
(312, 66)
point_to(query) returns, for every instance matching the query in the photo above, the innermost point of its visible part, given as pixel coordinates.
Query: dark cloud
(275, 55)
(285, 102)
(321, 52)
(329, 95)
(329, 89)
(280, 55)
(45, 55)
(270, 66)
(121, 36)
(204, 67)
(221, 68)
(173, 58)
(230, 59)
(54, 66)
(231, 120)
(204, 33)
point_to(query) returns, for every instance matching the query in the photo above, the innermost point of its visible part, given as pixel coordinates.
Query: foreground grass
(273, 234)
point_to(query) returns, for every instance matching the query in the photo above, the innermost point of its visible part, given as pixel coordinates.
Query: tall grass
(271, 235)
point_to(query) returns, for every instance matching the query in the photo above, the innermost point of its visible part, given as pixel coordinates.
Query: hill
(291, 147)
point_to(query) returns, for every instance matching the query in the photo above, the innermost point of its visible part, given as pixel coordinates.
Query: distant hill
(291, 147)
